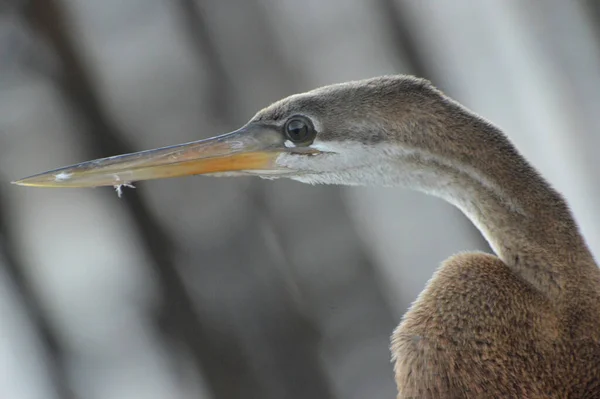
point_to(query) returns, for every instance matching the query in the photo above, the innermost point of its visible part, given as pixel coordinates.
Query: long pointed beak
(254, 147)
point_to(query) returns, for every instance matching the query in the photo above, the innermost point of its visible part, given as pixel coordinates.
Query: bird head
(328, 135)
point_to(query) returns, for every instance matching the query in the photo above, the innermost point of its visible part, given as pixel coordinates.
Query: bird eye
(300, 130)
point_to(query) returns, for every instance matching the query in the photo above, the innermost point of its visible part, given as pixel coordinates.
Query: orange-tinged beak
(255, 147)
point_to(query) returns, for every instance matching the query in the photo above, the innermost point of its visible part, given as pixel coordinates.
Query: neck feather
(526, 222)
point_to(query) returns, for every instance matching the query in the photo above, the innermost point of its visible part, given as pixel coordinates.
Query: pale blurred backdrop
(241, 288)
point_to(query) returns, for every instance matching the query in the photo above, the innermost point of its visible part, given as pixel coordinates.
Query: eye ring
(300, 130)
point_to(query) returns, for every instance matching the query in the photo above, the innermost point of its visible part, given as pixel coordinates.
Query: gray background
(241, 288)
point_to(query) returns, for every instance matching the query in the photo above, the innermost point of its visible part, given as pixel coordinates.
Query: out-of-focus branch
(293, 349)
(51, 345)
(213, 353)
(220, 88)
(404, 40)
(592, 9)
(303, 337)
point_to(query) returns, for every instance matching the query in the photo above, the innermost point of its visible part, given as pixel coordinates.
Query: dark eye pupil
(300, 130)
(297, 130)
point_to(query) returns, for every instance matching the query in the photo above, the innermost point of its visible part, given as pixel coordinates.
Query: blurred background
(242, 288)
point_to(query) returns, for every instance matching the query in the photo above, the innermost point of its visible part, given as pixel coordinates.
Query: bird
(521, 322)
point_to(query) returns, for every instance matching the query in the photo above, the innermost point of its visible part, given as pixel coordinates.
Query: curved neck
(526, 222)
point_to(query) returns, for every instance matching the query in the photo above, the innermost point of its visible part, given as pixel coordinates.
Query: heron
(523, 322)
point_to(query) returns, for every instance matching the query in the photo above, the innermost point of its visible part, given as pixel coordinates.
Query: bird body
(479, 331)
(522, 323)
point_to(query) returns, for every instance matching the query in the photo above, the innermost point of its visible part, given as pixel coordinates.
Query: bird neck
(526, 222)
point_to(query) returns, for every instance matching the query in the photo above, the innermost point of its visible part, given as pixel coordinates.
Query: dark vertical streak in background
(593, 11)
(405, 44)
(54, 354)
(292, 347)
(221, 90)
(44, 329)
(301, 337)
